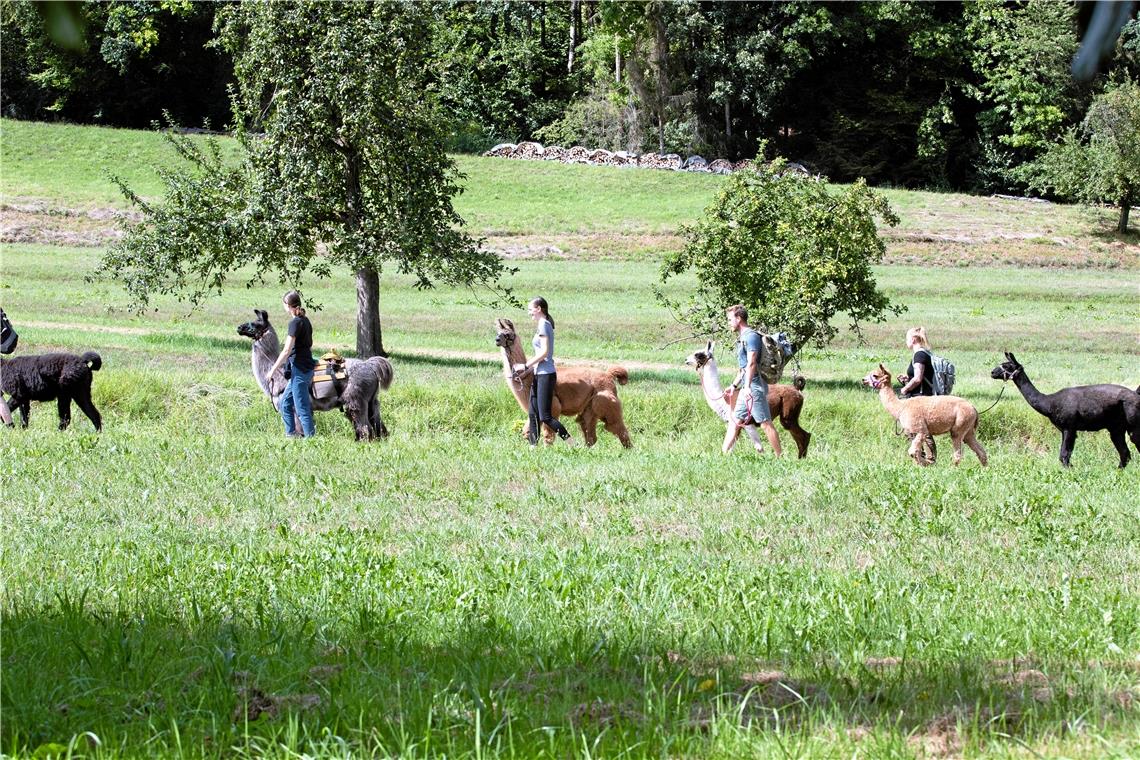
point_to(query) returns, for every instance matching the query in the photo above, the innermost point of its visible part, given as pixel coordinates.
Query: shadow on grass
(379, 685)
(443, 361)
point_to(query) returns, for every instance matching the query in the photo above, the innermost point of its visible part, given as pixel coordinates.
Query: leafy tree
(1022, 53)
(792, 252)
(348, 170)
(1100, 161)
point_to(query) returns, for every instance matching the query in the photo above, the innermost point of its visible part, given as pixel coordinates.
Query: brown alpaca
(590, 395)
(921, 416)
(784, 401)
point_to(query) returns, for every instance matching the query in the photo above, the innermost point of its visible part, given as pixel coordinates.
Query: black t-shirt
(926, 388)
(302, 331)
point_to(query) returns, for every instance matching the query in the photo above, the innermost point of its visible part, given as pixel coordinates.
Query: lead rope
(991, 406)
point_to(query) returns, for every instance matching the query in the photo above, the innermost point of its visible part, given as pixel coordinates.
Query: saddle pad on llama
(328, 376)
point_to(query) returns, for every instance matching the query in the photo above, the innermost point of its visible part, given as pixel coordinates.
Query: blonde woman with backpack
(919, 377)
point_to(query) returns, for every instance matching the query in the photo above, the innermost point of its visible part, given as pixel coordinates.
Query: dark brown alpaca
(1085, 407)
(43, 377)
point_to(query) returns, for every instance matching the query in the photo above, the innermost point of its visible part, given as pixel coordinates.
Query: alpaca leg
(731, 433)
(972, 441)
(25, 408)
(915, 451)
(63, 403)
(1117, 435)
(1068, 441)
(617, 427)
(379, 429)
(588, 422)
(608, 409)
(956, 439)
(83, 400)
(790, 422)
(755, 438)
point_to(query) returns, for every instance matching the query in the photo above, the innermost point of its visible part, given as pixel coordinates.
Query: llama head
(506, 335)
(256, 328)
(1007, 369)
(698, 359)
(878, 378)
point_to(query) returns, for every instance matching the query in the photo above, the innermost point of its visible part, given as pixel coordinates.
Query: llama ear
(884, 369)
(709, 347)
(262, 314)
(499, 324)
(1012, 358)
(1008, 355)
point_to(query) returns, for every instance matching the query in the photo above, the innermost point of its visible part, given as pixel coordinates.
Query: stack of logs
(532, 151)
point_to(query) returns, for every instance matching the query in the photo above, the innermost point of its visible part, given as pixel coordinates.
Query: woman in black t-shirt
(298, 351)
(919, 377)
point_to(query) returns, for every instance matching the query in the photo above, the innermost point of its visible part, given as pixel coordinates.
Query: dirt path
(939, 239)
(488, 357)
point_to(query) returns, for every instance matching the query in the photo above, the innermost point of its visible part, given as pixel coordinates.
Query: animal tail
(619, 374)
(384, 372)
(799, 383)
(92, 360)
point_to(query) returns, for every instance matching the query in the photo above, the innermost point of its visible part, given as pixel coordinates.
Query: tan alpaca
(588, 394)
(929, 415)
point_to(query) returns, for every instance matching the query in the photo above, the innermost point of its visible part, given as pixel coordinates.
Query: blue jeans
(297, 399)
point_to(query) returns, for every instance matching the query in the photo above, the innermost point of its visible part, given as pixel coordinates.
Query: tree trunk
(1125, 207)
(727, 121)
(661, 55)
(617, 61)
(369, 340)
(574, 14)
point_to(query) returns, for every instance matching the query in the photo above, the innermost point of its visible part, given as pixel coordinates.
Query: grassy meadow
(189, 583)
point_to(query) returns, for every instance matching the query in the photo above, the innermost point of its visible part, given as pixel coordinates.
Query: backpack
(943, 380)
(8, 336)
(771, 359)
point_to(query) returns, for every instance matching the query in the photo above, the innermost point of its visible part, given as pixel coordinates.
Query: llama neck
(513, 355)
(890, 400)
(1036, 399)
(266, 349)
(713, 392)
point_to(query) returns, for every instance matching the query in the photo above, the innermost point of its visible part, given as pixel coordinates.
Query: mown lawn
(189, 583)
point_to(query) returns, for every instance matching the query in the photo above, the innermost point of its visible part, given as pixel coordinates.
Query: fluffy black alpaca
(1086, 407)
(64, 377)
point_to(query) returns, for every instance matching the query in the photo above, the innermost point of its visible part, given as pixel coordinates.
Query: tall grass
(189, 583)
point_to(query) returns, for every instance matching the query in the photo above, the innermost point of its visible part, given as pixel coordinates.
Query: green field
(189, 583)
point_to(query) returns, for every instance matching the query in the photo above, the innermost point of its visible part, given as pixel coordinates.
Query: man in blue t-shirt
(751, 404)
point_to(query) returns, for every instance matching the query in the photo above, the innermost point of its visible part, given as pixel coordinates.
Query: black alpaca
(64, 377)
(1086, 407)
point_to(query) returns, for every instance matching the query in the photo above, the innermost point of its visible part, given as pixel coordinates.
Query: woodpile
(532, 151)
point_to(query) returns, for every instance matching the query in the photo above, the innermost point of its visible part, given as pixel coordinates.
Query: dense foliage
(1100, 162)
(793, 253)
(342, 164)
(944, 95)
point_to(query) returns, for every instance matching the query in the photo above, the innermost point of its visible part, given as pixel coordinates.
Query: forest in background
(931, 95)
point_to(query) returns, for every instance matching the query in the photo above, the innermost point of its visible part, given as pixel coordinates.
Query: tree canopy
(795, 253)
(342, 164)
(1099, 162)
(943, 95)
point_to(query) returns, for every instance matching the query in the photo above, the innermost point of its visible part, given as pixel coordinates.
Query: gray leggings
(541, 394)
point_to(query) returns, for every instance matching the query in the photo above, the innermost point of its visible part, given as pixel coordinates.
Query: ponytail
(540, 302)
(293, 299)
